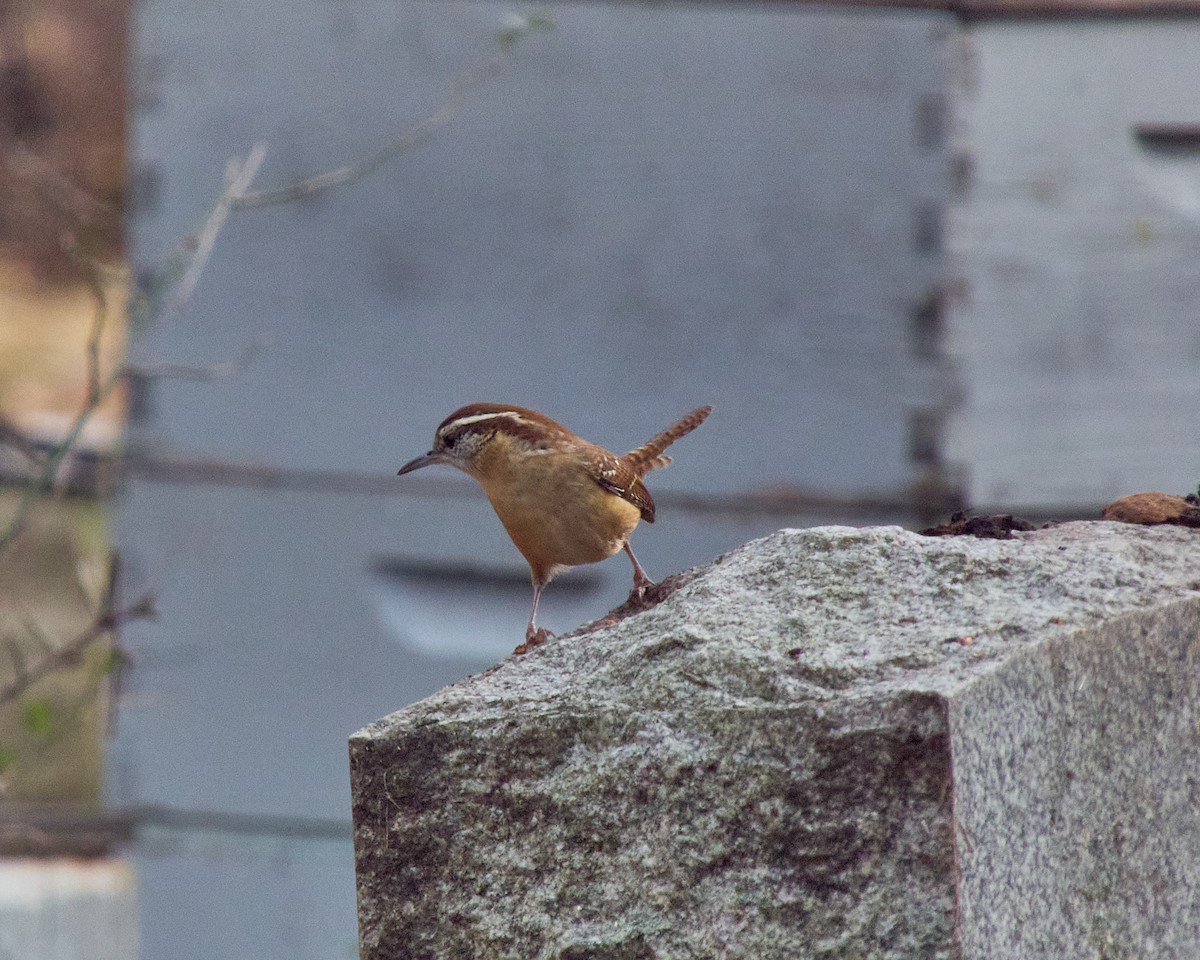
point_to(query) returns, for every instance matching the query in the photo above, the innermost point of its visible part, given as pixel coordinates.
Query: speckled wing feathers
(623, 475)
(618, 477)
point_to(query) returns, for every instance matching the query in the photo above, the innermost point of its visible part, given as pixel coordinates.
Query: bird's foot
(640, 586)
(534, 637)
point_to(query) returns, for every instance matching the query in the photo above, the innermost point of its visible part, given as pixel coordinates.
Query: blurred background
(251, 256)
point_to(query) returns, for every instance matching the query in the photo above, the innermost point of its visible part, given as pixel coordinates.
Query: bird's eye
(448, 442)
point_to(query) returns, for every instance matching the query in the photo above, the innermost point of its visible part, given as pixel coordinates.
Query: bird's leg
(534, 635)
(640, 580)
(531, 630)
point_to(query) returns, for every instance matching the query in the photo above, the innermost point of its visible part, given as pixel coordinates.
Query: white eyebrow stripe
(476, 418)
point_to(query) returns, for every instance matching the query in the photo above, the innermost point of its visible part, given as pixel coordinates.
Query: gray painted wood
(1076, 245)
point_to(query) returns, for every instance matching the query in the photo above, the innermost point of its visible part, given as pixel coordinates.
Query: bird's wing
(622, 479)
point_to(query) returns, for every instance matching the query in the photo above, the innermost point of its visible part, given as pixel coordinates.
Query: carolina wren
(563, 501)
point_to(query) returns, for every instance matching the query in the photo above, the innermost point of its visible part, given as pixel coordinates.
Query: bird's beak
(424, 460)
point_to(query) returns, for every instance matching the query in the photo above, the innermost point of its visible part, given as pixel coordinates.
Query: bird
(563, 501)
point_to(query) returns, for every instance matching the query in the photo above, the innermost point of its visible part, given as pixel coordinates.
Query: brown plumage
(648, 456)
(564, 501)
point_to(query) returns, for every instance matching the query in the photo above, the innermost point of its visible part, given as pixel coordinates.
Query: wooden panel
(1076, 242)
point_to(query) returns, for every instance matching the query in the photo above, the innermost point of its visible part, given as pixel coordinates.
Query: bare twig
(13, 436)
(211, 372)
(27, 674)
(97, 391)
(401, 142)
(238, 177)
(94, 278)
(17, 656)
(44, 479)
(453, 104)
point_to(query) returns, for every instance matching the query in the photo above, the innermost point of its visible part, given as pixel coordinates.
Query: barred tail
(649, 456)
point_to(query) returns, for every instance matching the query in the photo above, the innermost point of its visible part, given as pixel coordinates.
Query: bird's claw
(534, 637)
(640, 587)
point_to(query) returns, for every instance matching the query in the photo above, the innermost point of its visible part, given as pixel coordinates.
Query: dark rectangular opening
(1168, 138)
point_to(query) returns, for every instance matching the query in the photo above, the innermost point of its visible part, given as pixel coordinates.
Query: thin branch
(204, 374)
(455, 101)
(17, 439)
(183, 268)
(97, 392)
(44, 479)
(238, 177)
(33, 628)
(94, 278)
(70, 652)
(400, 143)
(17, 656)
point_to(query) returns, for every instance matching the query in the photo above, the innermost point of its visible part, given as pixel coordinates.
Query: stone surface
(829, 743)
